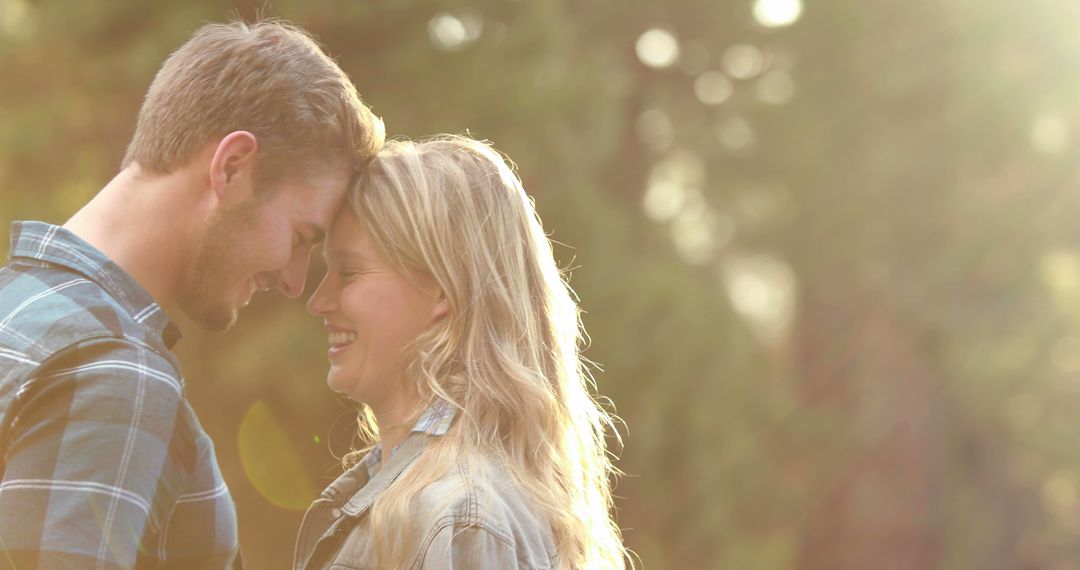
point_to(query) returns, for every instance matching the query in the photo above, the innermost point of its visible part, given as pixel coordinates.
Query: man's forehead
(321, 181)
(324, 173)
(318, 201)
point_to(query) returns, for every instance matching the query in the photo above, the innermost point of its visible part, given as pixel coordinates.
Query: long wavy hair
(506, 355)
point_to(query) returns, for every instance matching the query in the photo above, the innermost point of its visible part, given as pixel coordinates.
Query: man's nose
(291, 279)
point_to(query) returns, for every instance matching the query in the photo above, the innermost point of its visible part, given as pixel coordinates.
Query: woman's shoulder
(477, 502)
(478, 491)
(476, 487)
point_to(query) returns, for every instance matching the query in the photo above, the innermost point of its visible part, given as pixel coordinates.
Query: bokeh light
(1050, 134)
(16, 19)
(1060, 272)
(675, 182)
(657, 48)
(675, 195)
(761, 287)
(736, 135)
(694, 233)
(450, 32)
(777, 13)
(743, 61)
(713, 88)
(775, 87)
(1059, 491)
(664, 198)
(655, 129)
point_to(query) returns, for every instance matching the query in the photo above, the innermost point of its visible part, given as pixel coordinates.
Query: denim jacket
(490, 526)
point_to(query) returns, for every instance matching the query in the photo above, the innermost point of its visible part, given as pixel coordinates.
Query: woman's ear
(441, 308)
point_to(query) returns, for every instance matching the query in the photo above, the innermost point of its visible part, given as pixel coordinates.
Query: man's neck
(143, 223)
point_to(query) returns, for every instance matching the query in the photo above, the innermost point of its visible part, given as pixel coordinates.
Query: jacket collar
(361, 490)
(327, 513)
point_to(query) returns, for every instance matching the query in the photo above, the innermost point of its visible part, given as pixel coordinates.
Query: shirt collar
(363, 486)
(368, 477)
(58, 246)
(435, 420)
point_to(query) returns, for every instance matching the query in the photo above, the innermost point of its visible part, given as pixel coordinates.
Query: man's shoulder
(45, 309)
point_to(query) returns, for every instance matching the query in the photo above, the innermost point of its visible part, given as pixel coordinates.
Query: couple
(444, 309)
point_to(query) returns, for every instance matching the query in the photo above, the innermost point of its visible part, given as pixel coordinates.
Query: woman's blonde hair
(507, 353)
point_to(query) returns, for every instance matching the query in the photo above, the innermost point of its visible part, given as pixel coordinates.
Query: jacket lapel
(406, 454)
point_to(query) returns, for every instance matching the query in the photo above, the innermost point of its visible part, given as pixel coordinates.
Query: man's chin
(221, 324)
(214, 318)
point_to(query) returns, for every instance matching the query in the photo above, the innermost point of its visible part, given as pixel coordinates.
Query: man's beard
(215, 266)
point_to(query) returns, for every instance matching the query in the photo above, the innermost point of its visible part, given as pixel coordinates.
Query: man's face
(261, 244)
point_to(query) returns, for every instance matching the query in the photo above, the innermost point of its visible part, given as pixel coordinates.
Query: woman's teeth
(341, 338)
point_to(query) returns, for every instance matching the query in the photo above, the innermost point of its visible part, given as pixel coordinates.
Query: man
(243, 149)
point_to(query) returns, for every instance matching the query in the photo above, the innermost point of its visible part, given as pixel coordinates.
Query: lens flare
(270, 461)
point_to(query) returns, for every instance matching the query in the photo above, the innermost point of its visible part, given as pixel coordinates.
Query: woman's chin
(346, 386)
(338, 384)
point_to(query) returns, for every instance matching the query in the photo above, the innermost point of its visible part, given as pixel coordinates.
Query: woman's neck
(395, 421)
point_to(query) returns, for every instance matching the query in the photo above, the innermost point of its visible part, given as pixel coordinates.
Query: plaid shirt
(103, 463)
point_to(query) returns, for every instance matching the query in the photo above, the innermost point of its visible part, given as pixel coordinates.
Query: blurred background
(829, 253)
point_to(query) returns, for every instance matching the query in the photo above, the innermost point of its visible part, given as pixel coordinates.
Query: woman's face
(371, 313)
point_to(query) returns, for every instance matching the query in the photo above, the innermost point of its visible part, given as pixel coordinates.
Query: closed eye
(353, 271)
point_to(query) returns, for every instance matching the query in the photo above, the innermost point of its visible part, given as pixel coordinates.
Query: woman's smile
(339, 340)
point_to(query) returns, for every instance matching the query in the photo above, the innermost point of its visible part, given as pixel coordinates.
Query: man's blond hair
(268, 78)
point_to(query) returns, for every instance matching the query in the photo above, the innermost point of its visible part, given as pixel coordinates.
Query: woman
(449, 320)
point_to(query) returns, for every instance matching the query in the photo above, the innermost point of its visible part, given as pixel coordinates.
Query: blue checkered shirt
(103, 463)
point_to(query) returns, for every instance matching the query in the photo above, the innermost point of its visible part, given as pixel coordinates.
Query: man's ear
(232, 168)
